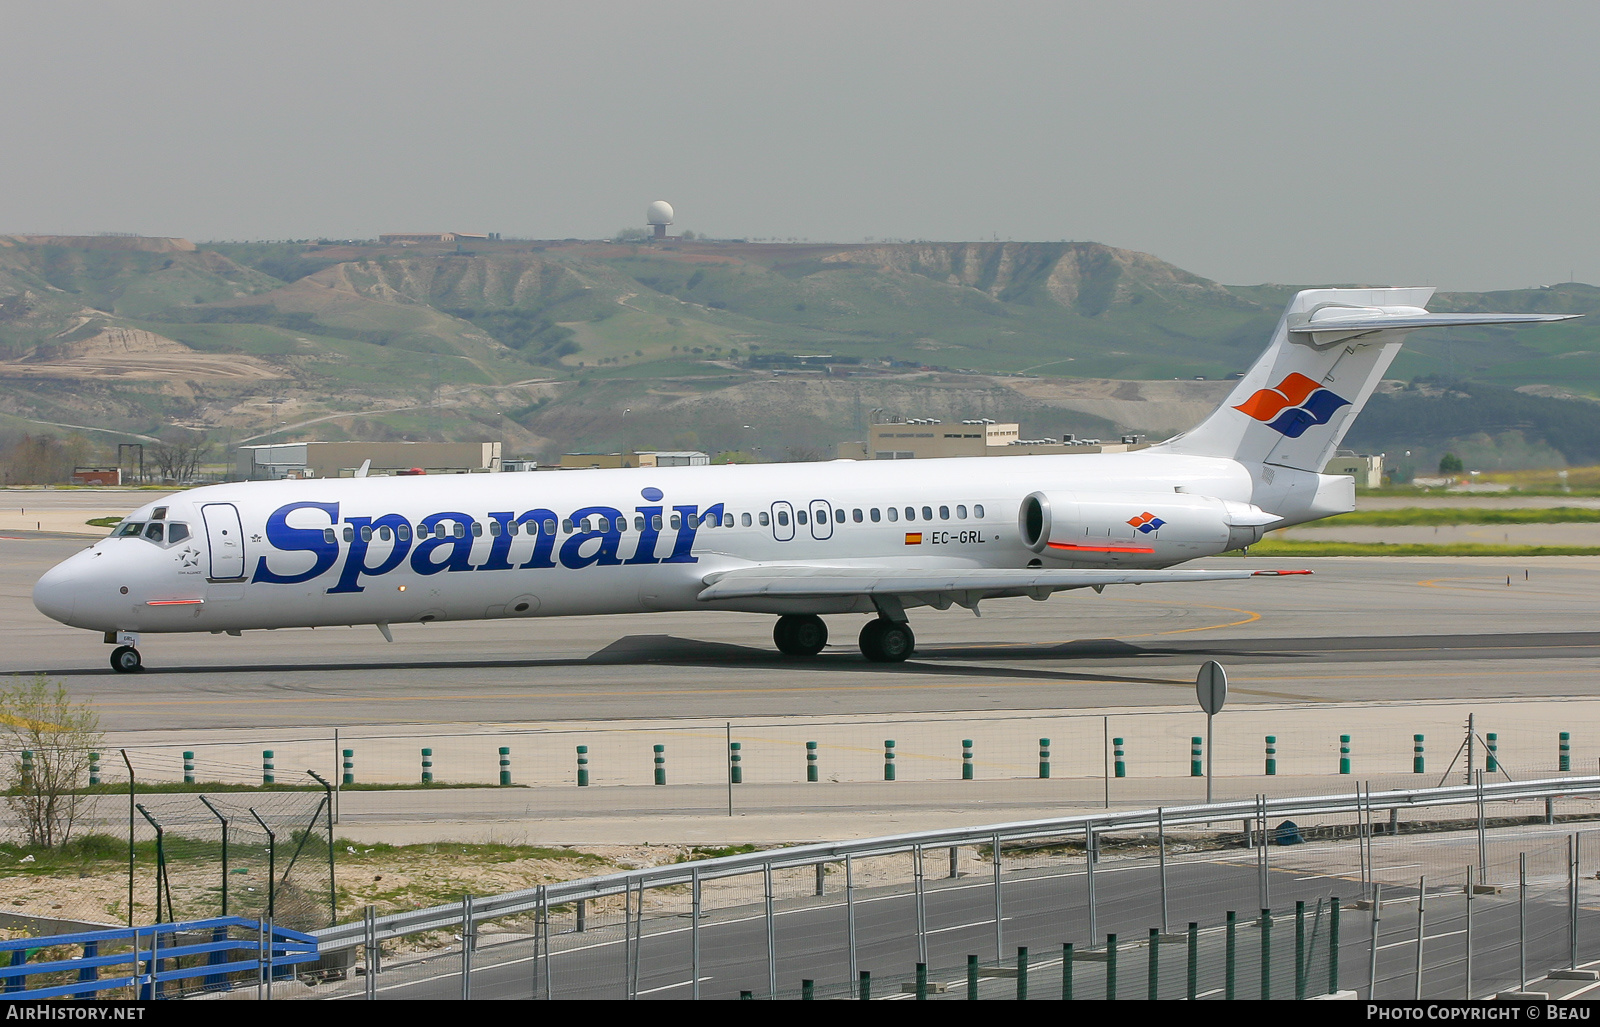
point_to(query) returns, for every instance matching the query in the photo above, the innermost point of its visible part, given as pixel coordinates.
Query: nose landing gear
(800, 634)
(125, 659)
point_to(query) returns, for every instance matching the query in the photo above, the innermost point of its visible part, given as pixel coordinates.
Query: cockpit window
(158, 514)
(129, 529)
(177, 532)
(154, 532)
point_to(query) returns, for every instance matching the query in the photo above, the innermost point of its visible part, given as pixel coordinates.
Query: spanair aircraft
(795, 540)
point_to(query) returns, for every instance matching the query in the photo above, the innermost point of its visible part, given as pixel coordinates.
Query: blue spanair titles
(444, 542)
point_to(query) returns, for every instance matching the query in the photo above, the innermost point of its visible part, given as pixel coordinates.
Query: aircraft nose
(54, 594)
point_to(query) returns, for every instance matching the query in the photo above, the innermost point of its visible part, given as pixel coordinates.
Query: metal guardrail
(489, 908)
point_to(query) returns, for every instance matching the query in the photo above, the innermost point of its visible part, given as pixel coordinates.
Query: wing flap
(964, 582)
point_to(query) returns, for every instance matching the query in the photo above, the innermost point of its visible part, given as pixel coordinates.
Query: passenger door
(225, 538)
(821, 519)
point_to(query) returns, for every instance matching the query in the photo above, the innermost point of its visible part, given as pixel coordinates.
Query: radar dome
(658, 213)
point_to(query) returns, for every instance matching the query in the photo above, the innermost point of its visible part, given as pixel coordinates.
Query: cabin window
(516, 526)
(494, 529)
(838, 517)
(783, 518)
(856, 515)
(158, 514)
(927, 513)
(349, 533)
(177, 532)
(329, 537)
(566, 525)
(440, 531)
(384, 533)
(944, 513)
(549, 526)
(894, 514)
(477, 529)
(873, 513)
(911, 513)
(458, 530)
(677, 522)
(961, 512)
(765, 520)
(727, 520)
(403, 532)
(800, 515)
(366, 533)
(977, 510)
(153, 532)
(655, 521)
(131, 529)
(638, 522)
(744, 520)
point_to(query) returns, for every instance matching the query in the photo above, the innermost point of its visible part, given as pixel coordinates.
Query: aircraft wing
(963, 586)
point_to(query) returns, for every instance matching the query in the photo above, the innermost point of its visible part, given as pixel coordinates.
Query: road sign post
(1211, 688)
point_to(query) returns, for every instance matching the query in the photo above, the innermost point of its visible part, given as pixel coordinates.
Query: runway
(1359, 629)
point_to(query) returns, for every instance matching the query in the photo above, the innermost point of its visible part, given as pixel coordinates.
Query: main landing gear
(882, 641)
(125, 659)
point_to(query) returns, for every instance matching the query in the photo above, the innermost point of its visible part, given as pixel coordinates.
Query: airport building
(649, 458)
(926, 438)
(343, 459)
(1366, 470)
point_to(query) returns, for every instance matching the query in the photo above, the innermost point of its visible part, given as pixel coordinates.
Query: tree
(39, 718)
(1451, 464)
(177, 456)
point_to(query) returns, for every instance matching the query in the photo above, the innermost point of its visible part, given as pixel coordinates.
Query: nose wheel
(125, 659)
(800, 635)
(887, 641)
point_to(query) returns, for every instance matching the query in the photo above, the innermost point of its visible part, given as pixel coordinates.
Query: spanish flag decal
(913, 538)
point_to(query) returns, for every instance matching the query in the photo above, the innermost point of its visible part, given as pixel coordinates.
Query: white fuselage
(406, 549)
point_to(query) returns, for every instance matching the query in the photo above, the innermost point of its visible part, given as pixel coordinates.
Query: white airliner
(795, 540)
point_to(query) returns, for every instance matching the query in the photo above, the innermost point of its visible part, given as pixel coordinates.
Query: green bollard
(267, 776)
(747, 996)
(505, 765)
(1566, 751)
(1272, 755)
(1044, 758)
(1344, 754)
(735, 768)
(1491, 760)
(922, 982)
(888, 759)
(1066, 972)
(808, 990)
(661, 764)
(1022, 974)
(349, 767)
(972, 978)
(1195, 768)
(583, 766)
(1266, 955)
(966, 759)
(1121, 767)
(1155, 964)
(864, 989)
(1299, 951)
(1416, 754)
(94, 768)
(427, 766)
(1111, 968)
(811, 761)
(1230, 953)
(27, 769)
(188, 768)
(1333, 945)
(1194, 962)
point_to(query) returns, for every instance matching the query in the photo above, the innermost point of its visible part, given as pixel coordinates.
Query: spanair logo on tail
(1295, 406)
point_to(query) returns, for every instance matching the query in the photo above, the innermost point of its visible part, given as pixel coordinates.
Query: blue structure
(149, 957)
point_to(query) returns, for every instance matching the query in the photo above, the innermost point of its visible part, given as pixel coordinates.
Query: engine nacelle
(1137, 529)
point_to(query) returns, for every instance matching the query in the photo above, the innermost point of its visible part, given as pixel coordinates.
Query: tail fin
(1330, 349)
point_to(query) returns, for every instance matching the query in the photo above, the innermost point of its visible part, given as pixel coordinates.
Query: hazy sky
(1450, 144)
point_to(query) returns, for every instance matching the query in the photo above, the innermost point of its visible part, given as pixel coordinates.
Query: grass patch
(700, 852)
(1276, 548)
(103, 522)
(1465, 515)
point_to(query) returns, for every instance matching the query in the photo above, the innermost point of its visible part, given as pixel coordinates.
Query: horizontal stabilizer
(963, 584)
(1407, 322)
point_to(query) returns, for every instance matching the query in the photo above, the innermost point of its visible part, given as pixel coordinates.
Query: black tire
(887, 641)
(125, 659)
(800, 634)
